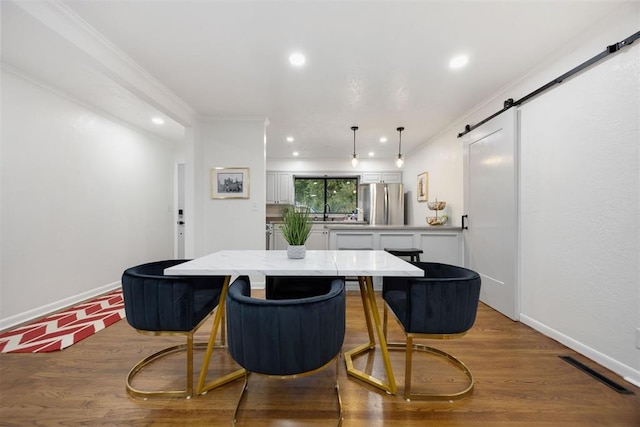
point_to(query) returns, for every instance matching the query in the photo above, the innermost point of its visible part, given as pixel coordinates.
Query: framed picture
(229, 183)
(422, 190)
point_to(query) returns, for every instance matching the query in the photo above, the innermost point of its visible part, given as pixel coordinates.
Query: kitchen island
(439, 243)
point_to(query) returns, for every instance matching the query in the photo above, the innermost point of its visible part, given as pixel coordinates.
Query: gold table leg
(371, 311)
(202, 387)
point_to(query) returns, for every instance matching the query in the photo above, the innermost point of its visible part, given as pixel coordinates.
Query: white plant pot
(296, 252)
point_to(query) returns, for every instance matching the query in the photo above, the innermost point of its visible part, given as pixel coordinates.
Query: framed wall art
(422, 189)
(229, 183)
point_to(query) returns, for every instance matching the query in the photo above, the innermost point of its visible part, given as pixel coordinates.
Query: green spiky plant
(296, 226)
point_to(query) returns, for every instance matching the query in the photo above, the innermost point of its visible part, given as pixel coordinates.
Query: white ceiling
(374, 64)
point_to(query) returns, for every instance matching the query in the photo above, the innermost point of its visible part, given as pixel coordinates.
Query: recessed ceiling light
(383, 139)
(289, 139)
(371, 154)
(158, 120)
(295, 154)
(297, 59)
(458, 62)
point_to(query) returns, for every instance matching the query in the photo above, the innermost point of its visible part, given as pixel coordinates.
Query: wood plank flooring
(520, 381)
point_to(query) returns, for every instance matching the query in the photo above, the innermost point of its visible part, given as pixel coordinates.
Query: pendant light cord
(354, 129)
(400, 129)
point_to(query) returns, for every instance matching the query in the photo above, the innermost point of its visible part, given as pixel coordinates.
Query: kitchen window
(327, 198)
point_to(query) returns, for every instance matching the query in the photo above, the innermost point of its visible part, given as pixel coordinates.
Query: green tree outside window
(327, 196)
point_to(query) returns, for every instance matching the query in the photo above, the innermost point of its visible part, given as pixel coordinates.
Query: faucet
(327, 209)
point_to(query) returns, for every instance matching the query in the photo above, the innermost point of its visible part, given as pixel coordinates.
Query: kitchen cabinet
(278, 243)
(279, 188)
(318, 238)
(352, 240)
(388, 177)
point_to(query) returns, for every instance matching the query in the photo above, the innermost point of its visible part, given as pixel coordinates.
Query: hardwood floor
(520, 381)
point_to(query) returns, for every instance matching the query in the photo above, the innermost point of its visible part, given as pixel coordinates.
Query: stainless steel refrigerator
(382, 204)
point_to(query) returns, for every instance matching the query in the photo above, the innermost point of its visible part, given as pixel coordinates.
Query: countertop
(347, 226)
(351, 223)
(360, 225)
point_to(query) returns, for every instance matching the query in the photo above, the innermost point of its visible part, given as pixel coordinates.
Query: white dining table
(364, 264)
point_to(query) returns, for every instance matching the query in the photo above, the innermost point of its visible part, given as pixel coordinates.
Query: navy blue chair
(156, 304)
(285, 338)
(441, 305)
(292, 287)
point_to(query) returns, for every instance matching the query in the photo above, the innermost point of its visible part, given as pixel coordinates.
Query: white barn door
(491, 201)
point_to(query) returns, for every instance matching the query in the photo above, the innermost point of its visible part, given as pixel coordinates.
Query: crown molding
(108, 58)
(21, 74)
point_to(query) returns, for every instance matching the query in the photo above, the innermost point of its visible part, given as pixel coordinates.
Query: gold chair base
(409, 347)
(304, 374)
(188, 392)
(145, 394)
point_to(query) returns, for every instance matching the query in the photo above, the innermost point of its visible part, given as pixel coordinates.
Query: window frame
(324, 179)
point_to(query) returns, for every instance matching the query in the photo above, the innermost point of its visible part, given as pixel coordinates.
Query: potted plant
(296, 226)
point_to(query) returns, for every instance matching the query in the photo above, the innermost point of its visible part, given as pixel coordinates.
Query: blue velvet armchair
(285, 337)
(293, 287)
(441, 305)
(156, 304)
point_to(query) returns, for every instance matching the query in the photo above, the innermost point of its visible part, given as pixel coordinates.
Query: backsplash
(274, 211)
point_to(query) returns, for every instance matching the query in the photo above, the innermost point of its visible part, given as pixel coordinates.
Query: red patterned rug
(63, 329)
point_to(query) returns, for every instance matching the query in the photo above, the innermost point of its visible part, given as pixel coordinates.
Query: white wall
(83, 197)
(231, 223)
(579, 194)
(219, 224)
(442, 159)
(580, 215)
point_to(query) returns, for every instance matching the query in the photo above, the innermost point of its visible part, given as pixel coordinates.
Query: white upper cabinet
(388, 177)
(272, 186)
(279, 187)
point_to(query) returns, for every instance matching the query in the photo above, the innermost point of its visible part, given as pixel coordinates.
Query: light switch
(254, 206)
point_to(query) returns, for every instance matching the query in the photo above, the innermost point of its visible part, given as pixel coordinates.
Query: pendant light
(400, 160)
(354, 158)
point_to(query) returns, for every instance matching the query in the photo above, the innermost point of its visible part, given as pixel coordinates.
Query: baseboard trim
(47, 309)
(629, 374)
